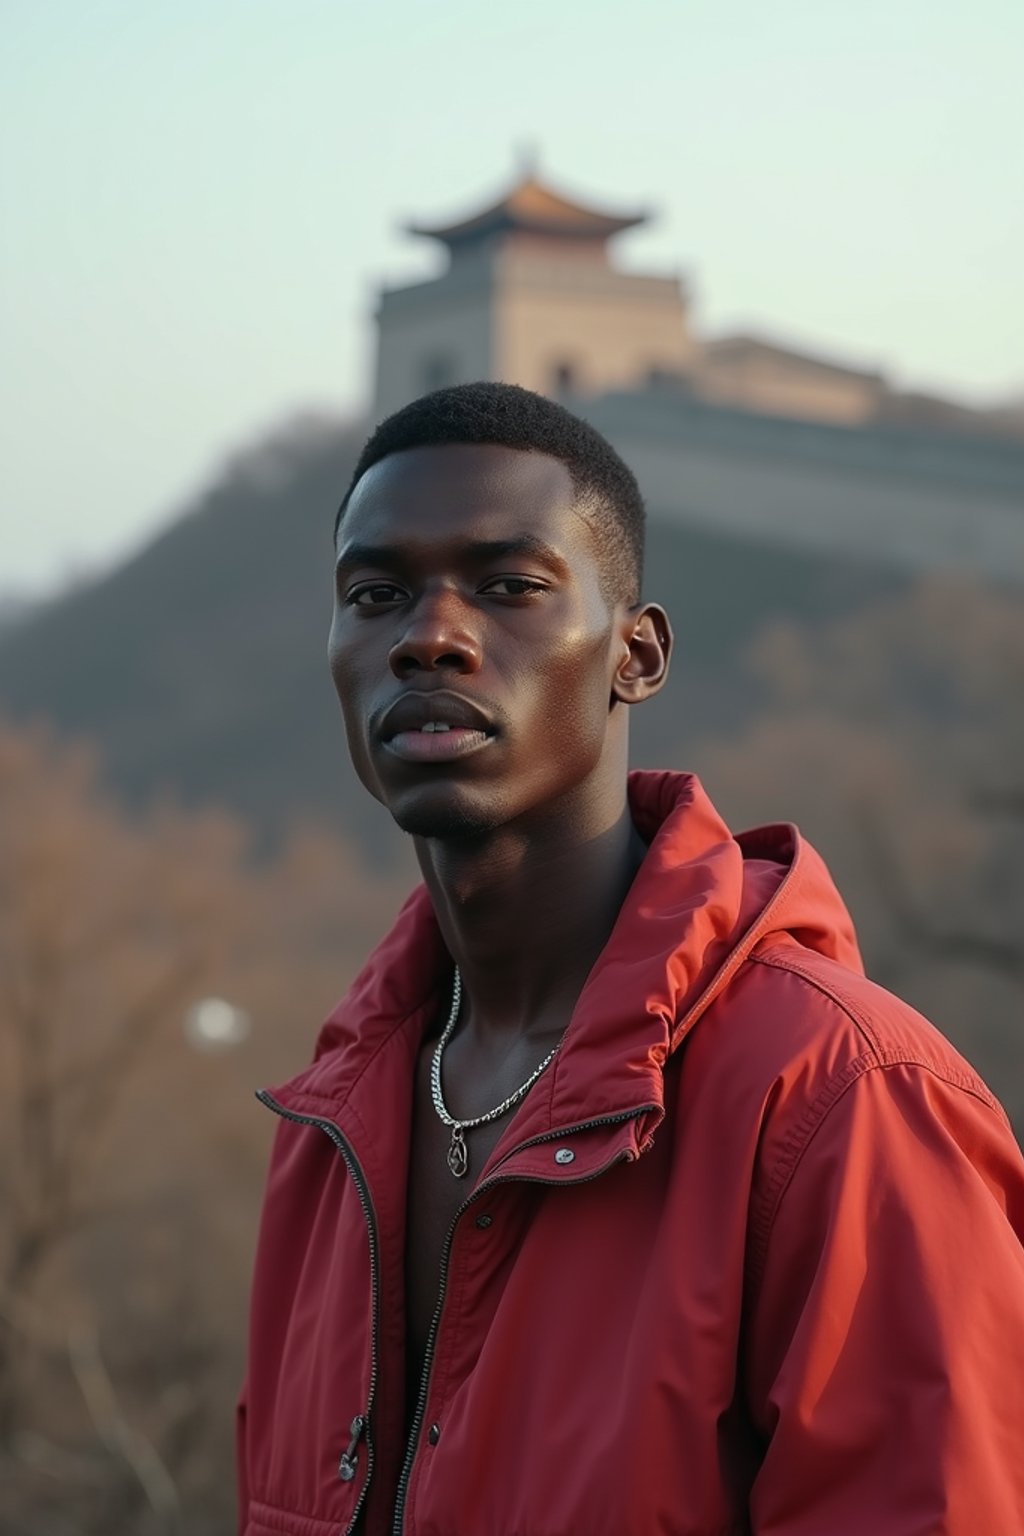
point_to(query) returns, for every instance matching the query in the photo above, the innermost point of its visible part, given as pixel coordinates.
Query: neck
(526, 912)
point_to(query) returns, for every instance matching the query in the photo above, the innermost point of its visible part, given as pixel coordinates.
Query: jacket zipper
(350, 1455)
(421, 1401)
(361, 1423)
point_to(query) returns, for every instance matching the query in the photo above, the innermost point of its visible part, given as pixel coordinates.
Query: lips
(414, 711)
(434, 727)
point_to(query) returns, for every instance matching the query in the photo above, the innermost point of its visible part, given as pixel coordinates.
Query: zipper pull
(349, 1458)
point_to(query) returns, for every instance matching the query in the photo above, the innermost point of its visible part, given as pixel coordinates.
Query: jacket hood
(702, 900)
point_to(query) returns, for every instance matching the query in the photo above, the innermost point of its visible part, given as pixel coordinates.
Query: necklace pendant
(458, 1157)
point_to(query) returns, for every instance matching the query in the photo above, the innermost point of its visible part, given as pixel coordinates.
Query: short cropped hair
(511, 417)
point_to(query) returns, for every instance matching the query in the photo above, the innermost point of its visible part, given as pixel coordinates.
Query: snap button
(483, 1220)
(434, 1433)
(564, 1155)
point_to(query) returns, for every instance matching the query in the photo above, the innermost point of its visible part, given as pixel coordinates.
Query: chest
(572, 1341)
(434, 1198)
(575, 1383)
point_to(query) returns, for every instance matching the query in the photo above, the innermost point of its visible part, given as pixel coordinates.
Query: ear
(645, 647)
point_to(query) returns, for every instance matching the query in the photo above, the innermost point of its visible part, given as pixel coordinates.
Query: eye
(374, 594)
(514, 586)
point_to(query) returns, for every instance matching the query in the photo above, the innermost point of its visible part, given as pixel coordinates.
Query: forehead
(425, 496)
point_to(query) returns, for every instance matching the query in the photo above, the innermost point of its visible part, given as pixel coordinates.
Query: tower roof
(532, 207)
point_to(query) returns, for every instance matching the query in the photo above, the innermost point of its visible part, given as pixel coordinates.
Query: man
(616, 1200)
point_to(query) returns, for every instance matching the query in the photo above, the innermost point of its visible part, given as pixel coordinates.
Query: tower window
(564, 378)
(437, 371)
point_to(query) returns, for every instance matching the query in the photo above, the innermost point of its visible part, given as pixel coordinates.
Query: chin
(447, 817)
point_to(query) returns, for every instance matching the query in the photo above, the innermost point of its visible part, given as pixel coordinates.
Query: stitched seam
(278, 1517)
(783, 962)
(887, 1055)
(791, 1152)
(745, 951)
(795, 1145)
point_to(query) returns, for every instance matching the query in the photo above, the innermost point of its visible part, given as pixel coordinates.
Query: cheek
(577, 684)
(345, 675)
(350, 665)
(334, 654)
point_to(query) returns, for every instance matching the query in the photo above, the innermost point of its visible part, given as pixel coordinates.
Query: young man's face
(468, 595)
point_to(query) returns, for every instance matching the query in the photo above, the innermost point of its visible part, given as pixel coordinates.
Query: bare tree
(131, 1166)
(107, 930)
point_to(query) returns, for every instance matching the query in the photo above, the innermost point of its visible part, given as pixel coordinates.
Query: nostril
(407, 659)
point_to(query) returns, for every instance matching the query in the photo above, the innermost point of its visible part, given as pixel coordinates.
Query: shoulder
(888, 1030)
(790, 1011)
(819, 1063)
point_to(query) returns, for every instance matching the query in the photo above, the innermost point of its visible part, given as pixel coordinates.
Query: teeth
(435, 725)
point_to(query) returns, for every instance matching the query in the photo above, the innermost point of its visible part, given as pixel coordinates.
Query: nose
(439, 635)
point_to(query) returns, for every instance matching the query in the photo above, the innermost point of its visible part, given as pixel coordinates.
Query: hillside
(882, 716)
(199, 665)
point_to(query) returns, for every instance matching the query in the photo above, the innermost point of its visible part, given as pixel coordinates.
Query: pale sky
(198, 201)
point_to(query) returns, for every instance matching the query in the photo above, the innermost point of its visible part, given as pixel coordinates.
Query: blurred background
(774, 253)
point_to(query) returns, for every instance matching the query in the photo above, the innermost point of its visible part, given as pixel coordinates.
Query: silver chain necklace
(458, 1155)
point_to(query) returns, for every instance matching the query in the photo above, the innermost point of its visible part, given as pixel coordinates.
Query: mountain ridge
(198, 664)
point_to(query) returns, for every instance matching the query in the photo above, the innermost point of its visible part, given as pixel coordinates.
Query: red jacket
(776, 1288)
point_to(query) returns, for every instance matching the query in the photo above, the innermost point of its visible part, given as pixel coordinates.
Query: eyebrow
(478, 552)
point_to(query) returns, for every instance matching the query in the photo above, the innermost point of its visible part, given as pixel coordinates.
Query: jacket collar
(700, 902)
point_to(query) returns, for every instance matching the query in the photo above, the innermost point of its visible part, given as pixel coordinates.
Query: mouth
(436, 743)
(434, 727)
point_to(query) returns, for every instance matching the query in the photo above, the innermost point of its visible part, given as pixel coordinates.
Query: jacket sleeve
(885, 1359)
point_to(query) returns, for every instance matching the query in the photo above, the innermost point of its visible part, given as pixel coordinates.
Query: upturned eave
(531, 207)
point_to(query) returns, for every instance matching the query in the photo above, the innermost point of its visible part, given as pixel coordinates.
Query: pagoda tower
(530, 296)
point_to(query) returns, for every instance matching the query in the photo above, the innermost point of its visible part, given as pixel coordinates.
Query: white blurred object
(214, 1024)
